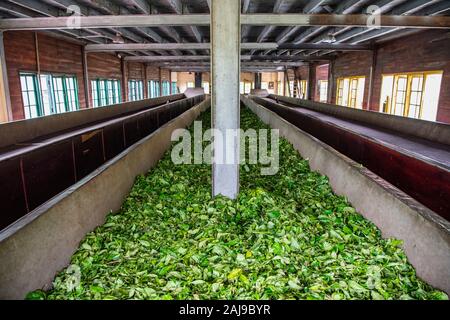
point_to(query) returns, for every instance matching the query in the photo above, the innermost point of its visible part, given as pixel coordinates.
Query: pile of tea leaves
(287, 236)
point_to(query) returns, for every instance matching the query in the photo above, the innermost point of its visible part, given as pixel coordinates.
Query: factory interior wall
(38, 52)
(419, 52)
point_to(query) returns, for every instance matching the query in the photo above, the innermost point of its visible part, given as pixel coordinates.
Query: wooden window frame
(392, 105)
(340, 94)
(135, 90)
(67, 104)
(101, 87)
(303, 86)
(320, 91)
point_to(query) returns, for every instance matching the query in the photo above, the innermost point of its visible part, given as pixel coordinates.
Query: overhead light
(330, 38)
(118, 39)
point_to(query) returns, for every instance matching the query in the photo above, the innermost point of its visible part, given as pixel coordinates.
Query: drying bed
(287, 236)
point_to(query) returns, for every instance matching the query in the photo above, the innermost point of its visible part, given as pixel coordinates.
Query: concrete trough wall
(425, 235)
(432, 131)
(42, 243)
(25, 130)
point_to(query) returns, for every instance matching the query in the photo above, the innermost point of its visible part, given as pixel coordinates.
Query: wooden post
(5, 100)
(372, 78)
(124, 80)
(87, 92)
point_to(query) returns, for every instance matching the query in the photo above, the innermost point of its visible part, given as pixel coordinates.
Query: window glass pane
(386, 93)
(323, 90)
(400, 97)
(71, 88)
(26, 102)
(94, 94)
(248, 87)
(118, 98)
(431, 96)
(174, 88)
(30, 95)
(360, 93)
(102, 92)
(205, 86)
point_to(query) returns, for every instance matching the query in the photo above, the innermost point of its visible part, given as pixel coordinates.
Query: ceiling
(291, 36)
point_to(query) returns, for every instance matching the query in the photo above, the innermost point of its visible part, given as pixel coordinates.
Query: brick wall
(352, 64)
(104, 66)
(320, 74)
(57, 56)
(416, 52)
(302, 72)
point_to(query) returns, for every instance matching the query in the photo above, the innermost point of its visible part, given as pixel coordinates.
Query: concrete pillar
(198, 79)
(225, 66)
(5, 100)
(258, 80)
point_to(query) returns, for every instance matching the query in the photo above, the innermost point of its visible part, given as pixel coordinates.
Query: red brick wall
(416, 53)
(59, 56)
(352, 64)
(55, 56)
(413, 53)
(321, 74)
(313, 73)
(103, 66)
(20, 55)
(303, 72)
(152, 73)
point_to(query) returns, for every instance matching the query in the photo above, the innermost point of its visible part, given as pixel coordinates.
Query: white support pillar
(225, 66)
(5, 99)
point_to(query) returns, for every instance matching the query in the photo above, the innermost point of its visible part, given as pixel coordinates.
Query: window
(206, 87)
(249, 86)
(246, 87)
(413, 95)
(135, 90)
(153, 88)
(165, 88)
(105, 92)
(48, 94)
(190, 85)
(280, 88)
(323, 90)
(30, 95)
(303, 90)
(48, 102)
(174, 88)
(350, 92)
(291, 88)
